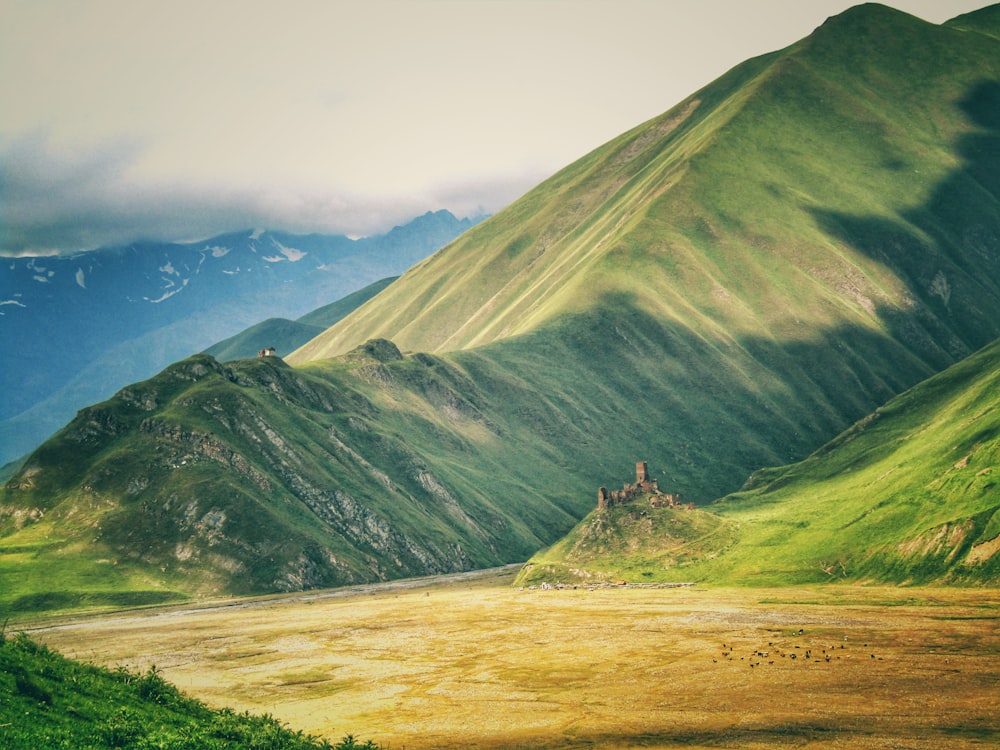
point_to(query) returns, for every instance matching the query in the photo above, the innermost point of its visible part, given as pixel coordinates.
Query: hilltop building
(644, 485)
(267, 351)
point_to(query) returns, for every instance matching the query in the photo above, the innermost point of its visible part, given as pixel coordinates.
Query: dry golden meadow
(478, 664)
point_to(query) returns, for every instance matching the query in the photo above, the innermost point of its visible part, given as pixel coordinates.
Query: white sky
(179, 119)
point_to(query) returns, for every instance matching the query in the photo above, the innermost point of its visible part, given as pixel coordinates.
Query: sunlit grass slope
(738, 211)
(909, 494)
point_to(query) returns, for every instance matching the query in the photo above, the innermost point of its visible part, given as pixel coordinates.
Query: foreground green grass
(43, 569)
(48, 701)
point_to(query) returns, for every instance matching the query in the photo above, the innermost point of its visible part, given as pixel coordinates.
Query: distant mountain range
(84, 325)
(726, 287)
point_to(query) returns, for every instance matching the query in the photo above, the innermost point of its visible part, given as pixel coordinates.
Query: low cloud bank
(54, 204)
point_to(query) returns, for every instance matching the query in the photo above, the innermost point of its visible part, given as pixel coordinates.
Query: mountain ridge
(285, 335)
(417, 311)
(737, 255)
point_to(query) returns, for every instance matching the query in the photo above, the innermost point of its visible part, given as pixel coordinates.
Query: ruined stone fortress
(643, 486)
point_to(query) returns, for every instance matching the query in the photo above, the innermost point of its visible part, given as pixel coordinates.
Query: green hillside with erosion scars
(725, 287)
(254, 477)
(908, 494)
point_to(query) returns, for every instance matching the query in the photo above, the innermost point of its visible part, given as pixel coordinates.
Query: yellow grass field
(478, 664)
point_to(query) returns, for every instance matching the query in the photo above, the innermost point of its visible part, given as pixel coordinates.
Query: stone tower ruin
(643, 486)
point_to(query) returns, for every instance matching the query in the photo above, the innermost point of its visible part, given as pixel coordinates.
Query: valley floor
(475, 663)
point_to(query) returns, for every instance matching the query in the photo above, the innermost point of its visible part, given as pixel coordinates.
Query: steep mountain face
(908, 494)
(85, 325)
(760, 266)
(725, 287)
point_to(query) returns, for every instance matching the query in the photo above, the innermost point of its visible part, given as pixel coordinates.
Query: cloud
(59, 203)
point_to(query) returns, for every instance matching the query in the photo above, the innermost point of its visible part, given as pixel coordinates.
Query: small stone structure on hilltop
(643, 486)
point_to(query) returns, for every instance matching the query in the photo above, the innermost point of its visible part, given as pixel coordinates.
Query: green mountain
(285, 335)
(907, 494)
(326, 316)
(734, 282)
(847, 181)
(280, 334)
(725, 287)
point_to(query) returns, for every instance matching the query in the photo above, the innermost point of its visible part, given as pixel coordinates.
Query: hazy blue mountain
(84, 325)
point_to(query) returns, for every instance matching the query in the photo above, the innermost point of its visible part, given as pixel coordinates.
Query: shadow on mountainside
(947, 250)
(620, 385)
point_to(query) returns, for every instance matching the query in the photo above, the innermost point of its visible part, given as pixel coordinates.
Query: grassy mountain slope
(985, 21)
(328, 315)
(635, 543)
(286, 335)
(281, 333)
(257, 477)
(721, 214)
(908, 494)
(725, 287)
(731, 284)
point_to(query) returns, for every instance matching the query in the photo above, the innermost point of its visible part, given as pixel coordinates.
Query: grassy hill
(725, 287)
(52, 702)
(732, 214)
(908, 494)
(635, 543)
